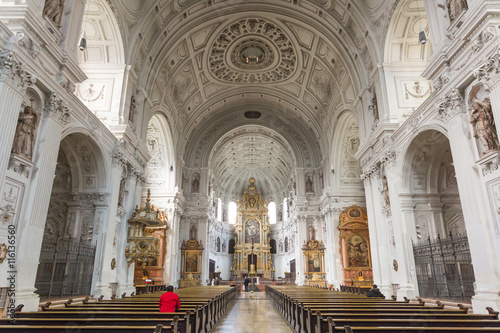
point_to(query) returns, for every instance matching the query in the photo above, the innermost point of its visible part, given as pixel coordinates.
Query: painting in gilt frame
(191, 261)
(357, 252)
(313, 262)
(252, 230)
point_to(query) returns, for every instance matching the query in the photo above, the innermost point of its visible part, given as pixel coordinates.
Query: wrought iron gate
(444, 268)
(65, 268)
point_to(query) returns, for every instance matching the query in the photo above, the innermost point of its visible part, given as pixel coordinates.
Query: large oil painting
(357, 252)
(313, 262)
(192, 261)
(252, 230)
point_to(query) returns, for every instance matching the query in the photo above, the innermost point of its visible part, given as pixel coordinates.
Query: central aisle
(253, 314)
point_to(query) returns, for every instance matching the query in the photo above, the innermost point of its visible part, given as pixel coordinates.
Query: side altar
(252, 225)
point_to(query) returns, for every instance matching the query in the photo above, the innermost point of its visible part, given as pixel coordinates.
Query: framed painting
(313, 262)
(191, 265)
(252, 230)
(357, 252)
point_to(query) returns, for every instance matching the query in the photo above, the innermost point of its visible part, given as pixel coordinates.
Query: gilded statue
(483, 123)
(25, 132)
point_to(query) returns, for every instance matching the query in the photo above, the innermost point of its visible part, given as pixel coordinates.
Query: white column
(331, 254)
(478, 223)
(372, 229)
(105, 242)
(383, 242)
(403, 246)
(13, 83)
(299, 259)
(32, 221)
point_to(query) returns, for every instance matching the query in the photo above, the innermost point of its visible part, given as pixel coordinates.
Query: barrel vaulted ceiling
(299, 63)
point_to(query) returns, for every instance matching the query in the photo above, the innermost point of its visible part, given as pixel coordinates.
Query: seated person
(169, 301)
(374, 292)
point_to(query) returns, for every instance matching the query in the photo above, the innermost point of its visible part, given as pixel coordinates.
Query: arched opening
(273, 246)
(103, 61)
(232, 211)
(441, 248)
(272, 212)
(74, 221)
(231, 246)
(160, 174)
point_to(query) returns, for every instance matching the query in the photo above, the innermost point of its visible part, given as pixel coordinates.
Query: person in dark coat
(374, 292)
(246, 283)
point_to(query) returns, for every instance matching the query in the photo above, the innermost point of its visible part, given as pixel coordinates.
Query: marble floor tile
(253, 313)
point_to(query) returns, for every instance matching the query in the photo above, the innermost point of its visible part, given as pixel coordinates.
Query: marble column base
(29, 298)
(484, 299)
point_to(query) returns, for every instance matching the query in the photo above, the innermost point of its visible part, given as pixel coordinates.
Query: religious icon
(354, 213)
(252, 230)
(191, 261)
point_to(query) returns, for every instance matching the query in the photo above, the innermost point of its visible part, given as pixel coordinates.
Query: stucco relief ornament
(13, 73)
(451, 105)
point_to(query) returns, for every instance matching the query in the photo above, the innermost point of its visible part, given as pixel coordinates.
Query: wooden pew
(310, 310)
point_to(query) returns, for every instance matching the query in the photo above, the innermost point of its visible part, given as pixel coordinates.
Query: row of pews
(313, 310)
(201, 309)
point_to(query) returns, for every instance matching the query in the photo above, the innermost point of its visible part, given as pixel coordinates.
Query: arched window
(273, 246)
(231, 246)
(272, 212)
(232, 212)
(286, 244)
(285, 209)
(219, 209)
(218, 244)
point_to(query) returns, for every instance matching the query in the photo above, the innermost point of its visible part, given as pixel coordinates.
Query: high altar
(252, 222)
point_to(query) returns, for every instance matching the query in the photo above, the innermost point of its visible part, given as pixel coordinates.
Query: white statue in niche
(481, 119)
(193, 232)
(25, 132)
(385, 191)
(312, 232)
(53, 10)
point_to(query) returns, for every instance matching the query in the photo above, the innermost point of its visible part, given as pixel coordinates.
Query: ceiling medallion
(252, 51)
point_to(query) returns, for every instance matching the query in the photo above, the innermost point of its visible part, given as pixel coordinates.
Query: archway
(440, 246)
(73, 222)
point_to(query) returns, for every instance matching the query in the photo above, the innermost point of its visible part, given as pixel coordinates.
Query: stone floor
(253, 314)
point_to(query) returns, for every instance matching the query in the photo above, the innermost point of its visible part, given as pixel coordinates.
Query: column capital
(451, 105)
(57, 110)
(14, 73)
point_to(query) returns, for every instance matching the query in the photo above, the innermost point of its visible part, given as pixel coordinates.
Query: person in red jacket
(169, 301)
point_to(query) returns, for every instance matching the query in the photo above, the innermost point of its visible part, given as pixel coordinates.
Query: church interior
(319, 145)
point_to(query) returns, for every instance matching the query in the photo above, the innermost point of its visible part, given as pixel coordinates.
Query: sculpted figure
(131, 113)
(311, 232)
(375, 108)
(483, 123)
(25, 132)
(53, 9)
(455, 8)
(309, 184)
(385, 191)
(195, 185)
(192, 232)
(121, 193)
